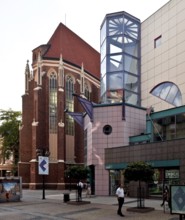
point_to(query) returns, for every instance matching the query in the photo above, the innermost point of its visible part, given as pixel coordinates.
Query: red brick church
(60, 68)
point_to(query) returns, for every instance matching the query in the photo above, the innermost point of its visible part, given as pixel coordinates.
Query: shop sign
(171, 174)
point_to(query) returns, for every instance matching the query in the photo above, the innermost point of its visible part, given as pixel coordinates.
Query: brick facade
(34, 133)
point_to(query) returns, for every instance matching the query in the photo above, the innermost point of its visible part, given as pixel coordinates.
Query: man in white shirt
(120, 197)
(80, 187)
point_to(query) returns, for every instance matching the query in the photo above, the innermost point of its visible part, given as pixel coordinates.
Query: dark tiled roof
(74, 50)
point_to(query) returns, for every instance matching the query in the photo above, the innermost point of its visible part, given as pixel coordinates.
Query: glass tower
(120, 59)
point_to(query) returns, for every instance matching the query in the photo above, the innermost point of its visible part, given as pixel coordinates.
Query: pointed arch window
(168, 92)
(87, 92)
(53, 102)
(69, 105)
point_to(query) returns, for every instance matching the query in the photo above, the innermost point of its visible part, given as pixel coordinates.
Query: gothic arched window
(87, 92)
(53, 102)
(69, 104)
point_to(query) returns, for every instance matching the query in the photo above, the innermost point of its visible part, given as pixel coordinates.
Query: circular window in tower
(107, 129)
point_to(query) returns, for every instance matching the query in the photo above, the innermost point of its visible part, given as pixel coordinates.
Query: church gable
(73, 50)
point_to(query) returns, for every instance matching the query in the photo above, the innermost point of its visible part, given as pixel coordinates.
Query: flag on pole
(77, 116)
(87, 105)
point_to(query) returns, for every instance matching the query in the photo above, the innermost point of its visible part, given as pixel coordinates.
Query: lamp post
(43, 166)
(69, 177)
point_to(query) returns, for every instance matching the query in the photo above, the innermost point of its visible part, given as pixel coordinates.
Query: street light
(43, 166)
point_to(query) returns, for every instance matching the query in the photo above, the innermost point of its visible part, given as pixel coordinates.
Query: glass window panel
(128, 40)
(115, 44)
(169, 92)
(103, 84)
(53, 103)
(171, 129)
(115, 26)
(131, 82)
(114, 177)
(131, 48)
(115, 80)
(172, 93)
(180, 126)
(118, 40)
(103, 67)
(159, 131)
(157, 41)
(178, 99)
(131, 65)
(69, 93)
(69, 105)
(115, 63)
(115, 49)
(165, 91)
(103, 98)
(157, 90)
(103, 50)
(131, 28)
(115, 96)
(131, 98)
(103, 32)
(87, 92)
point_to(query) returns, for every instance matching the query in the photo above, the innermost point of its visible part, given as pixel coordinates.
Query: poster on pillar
(177, 195)
(43, 165)
(10, 189)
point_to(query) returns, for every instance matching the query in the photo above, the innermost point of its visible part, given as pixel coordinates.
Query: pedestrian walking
(165, 195)
(80, 187)
(120, 197)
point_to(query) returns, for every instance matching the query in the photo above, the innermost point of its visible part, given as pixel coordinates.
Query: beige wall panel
(166, 62)
(70, 149)
(53, 147)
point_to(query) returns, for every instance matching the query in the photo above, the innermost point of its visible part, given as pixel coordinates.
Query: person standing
(80, 187)
(120, 196)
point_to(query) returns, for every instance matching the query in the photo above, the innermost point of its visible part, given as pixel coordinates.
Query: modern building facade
(161, 145)
(162, 54)
(152, 128)
(60, 68)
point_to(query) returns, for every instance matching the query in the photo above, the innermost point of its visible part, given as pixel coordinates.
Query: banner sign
(43, 165)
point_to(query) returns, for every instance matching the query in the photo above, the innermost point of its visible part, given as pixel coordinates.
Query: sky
(27, 24)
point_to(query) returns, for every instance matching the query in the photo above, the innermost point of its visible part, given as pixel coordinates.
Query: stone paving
(33, 207)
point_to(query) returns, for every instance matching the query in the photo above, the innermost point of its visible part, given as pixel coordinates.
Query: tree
(9, 131)
(139, 171)
(77, 172)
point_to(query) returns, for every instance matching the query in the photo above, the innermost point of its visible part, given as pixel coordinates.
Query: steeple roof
(74, 50)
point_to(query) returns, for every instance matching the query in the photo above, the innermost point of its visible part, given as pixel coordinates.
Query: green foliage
(156, 175)
(139, 171)
(9, 131)
(77, 172)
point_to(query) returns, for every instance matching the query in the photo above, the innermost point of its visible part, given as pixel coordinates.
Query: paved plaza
(53, 207)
